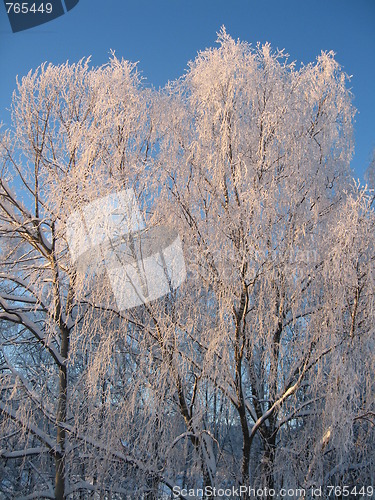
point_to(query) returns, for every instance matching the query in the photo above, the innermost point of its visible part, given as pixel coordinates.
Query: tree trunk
(61, 419)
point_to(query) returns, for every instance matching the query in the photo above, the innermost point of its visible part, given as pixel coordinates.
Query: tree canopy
(258, 368)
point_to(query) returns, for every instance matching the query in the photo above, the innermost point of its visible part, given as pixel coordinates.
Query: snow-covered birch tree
(256, 161)
(76, 133)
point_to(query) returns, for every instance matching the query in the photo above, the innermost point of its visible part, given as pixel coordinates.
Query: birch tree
(256, 159)
(74, 129)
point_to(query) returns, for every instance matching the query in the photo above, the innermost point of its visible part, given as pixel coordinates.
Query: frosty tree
(258, 369)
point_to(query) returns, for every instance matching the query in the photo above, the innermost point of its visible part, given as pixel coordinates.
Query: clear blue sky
(163, 35)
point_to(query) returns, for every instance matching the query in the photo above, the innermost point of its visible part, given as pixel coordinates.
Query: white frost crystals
(142, 264)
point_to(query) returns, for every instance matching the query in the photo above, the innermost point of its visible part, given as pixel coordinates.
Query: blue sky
(163, 35)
